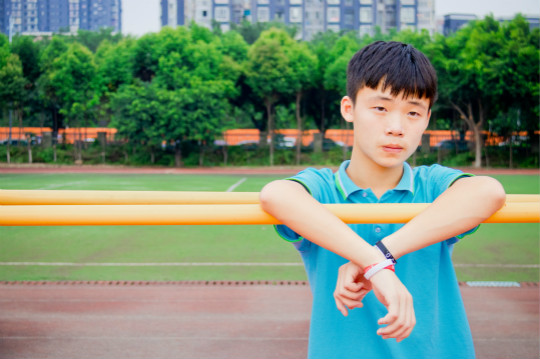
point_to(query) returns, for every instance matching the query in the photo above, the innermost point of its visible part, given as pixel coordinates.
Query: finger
(412, 323)
(402, 324)
(349, 299)
(353, 286)
(392, 305)
(341, 306)
(351, 304)
(390, 319)
(352, 295)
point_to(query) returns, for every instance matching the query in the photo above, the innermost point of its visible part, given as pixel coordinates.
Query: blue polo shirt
(442, 329)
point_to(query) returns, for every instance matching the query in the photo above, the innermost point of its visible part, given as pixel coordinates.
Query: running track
(215, 320)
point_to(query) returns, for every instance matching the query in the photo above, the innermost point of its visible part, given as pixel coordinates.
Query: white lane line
(59, 185)
(159, 338)
(473, 265)
(492, 284)
(225, 264)
(186, 264)
(233, 187)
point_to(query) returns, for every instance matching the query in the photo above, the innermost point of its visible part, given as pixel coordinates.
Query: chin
(390, 163)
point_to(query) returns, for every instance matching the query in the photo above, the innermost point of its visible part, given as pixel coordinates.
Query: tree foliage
(178, 89)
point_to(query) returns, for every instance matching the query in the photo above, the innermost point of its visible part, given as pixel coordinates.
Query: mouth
(392, 148)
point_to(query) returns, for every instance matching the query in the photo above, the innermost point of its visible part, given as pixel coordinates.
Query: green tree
(92, 39)
(71, 79)
(252, 31)
(268, 73)
(114, 64)
(484, 70)
(146, 56)
(466, 75)
(47, 91)
(137, 111)
(518, 78)
(327, 92)
(28, 51)
(12, 80)
(303, 64)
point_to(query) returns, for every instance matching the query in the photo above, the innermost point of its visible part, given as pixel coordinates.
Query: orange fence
(67, 135)
(232, 137)
(345, 137)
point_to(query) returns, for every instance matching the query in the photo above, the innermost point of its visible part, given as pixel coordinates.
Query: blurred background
(254, 82)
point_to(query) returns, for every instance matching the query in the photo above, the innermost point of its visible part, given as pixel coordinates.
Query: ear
(347, 109)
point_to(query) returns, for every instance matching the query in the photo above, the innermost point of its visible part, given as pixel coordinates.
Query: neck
(366, 174)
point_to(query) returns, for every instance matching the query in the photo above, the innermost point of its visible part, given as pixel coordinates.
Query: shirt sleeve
(441, 178)
(314, 181)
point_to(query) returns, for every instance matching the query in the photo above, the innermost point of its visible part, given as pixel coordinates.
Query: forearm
(463, 206)
(290, 203)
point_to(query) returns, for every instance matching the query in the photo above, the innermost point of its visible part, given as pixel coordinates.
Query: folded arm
(463, 206)
(289, 202)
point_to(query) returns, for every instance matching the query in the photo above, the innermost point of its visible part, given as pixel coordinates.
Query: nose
(394, 126)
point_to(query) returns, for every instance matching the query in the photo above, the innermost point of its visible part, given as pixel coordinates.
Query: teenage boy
(391, 88)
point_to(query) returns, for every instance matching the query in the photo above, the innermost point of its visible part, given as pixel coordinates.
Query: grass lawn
(492, 244)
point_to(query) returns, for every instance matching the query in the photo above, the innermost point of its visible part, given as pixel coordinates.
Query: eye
(414, 114)
(379, 109)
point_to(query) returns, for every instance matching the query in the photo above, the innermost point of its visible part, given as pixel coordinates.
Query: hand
(351, 288)
(400, 319)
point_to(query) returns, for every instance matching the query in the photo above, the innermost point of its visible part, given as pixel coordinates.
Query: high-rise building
(48, 16)
(203, 12)
(453, 22)
(311, 16)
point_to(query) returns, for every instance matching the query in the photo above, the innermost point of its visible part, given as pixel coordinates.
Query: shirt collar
(346, 186)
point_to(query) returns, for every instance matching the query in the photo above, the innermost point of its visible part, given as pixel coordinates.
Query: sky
(142, 16)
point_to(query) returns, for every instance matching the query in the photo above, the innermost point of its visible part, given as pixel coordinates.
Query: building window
(407, 15)
(366, 14)
(366, 2)
(348, 2)
(221, 1)
(263, 14)
(263, 2)
(295, 14)
(408, 2)
(222, 13)
(348, 17)
(295, 2)
(204, 13)
(332, 14)
(332, 2)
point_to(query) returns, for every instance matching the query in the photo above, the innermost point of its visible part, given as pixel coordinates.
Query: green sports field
(502, 252)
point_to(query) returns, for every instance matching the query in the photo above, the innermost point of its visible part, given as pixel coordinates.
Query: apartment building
(35, 17)
(311, 16)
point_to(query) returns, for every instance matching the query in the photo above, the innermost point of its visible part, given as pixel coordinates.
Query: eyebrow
(392, 99)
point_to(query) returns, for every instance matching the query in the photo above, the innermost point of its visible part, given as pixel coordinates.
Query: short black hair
(392, 64)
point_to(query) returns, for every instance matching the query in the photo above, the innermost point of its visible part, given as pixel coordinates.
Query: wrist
(385, 252)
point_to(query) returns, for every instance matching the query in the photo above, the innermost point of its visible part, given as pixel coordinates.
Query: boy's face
(387, 128)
